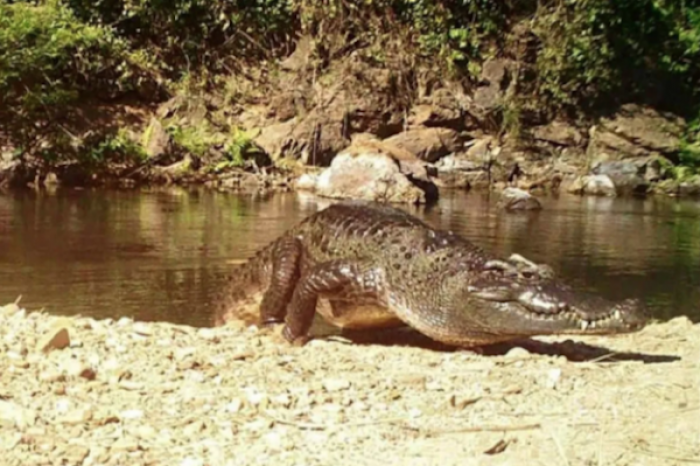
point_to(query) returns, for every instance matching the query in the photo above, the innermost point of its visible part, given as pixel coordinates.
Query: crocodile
(364, 265)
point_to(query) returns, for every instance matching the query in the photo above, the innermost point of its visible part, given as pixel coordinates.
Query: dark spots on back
(408, 256)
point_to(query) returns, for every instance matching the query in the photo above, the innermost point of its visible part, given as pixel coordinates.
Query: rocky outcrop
(489, 95)
(636, 131)
(368, 175)
(559, 133)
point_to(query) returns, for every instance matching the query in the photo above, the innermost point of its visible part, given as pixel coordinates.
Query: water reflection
(160, 254)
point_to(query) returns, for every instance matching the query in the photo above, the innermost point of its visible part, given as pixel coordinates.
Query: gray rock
(630, 176)
(596, 185)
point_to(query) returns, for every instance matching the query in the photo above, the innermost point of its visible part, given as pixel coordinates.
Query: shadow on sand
(571, 350)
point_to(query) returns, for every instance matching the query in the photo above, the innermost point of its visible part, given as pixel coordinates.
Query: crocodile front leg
(337, 280)
(285, 274)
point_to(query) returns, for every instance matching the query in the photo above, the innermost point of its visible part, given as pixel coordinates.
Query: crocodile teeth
(616, 314)
(584, 324)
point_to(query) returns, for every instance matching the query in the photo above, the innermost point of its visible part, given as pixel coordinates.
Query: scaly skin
(365, 265)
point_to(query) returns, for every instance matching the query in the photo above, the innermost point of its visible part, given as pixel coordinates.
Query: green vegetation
(690, 148)
(576, 56)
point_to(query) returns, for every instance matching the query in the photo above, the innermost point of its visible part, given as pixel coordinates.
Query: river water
(161, 254)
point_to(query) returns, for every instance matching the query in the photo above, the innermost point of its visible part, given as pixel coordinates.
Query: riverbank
(628, 153)
(543, 96)
(86, 391)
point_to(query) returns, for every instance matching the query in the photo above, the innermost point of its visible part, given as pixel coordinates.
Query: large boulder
(636, 131)
(428, 144)
(368, 175)
(631, 176)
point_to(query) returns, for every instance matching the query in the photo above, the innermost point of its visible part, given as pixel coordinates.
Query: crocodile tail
(241, 295)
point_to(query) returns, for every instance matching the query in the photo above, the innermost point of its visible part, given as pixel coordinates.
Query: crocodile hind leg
(338, 280)
(285, 274)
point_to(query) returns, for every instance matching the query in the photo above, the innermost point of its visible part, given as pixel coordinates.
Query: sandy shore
(78, 391)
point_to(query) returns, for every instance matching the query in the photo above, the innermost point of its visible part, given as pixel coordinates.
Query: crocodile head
(516, 298)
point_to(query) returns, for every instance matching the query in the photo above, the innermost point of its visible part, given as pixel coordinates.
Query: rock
(370, 176)
(628, 176)
(480, 151)
(458, 162)
(517, 199)
(14, 416)
(668, 187)
(690, 187)
(51, 180)
(559, 133)
(442, 108)
(458, 172)
(274, 139)
(518, 352)
(176, 170)
(143, 329)
(336, 385)
(306, 182)
(9, 166)
(76, 454)
(489, 96)
(299, 59)
(57, 338)
(75, 368)
(494, 72)
(156, 141)
(636, 131)
(76, 416)
(428, 144)
(597, 185)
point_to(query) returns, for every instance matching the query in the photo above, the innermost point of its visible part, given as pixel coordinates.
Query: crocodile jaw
(515, 318)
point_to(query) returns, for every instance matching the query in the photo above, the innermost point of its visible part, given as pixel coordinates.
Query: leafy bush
(188, 33)
(608, 51)
(118, 146)
(48, 57)
(578, 55)
(690, 146)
